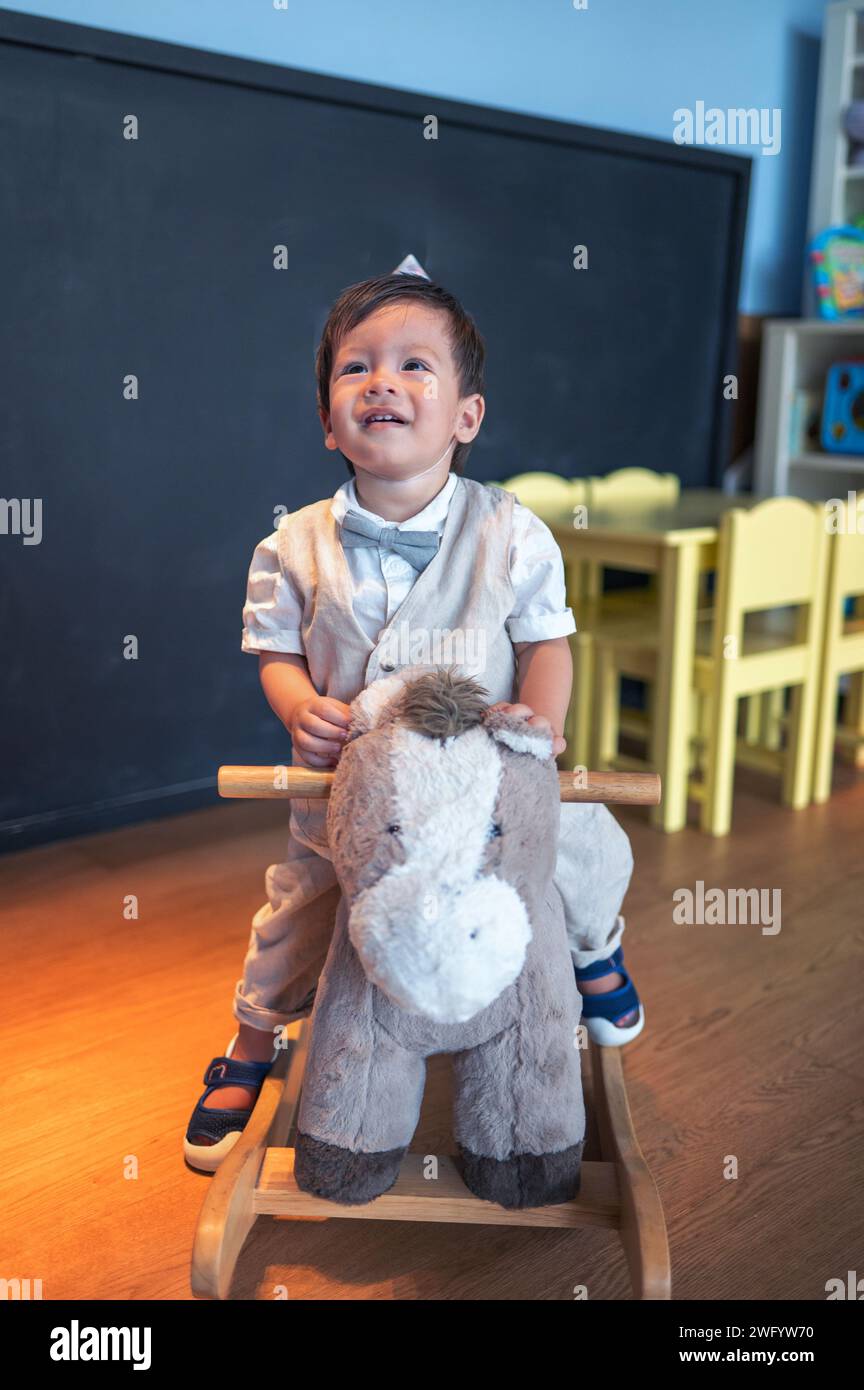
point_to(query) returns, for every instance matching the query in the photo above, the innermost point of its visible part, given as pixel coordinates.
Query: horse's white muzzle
(444, 953)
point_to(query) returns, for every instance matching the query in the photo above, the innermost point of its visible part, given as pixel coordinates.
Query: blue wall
(624, 64)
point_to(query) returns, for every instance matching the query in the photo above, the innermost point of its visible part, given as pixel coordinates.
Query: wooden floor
(751, 1056)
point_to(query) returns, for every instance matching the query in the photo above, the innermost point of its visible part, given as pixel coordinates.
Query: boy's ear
(329, 441)
(472, 408)
(515, 731)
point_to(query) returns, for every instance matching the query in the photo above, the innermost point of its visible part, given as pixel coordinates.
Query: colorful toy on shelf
(837, 259)
(843, 411)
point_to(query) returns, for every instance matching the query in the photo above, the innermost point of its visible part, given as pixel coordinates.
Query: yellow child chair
(769, 558)
(547, 494)
(850, 733)
(843, 648)
(635, 487)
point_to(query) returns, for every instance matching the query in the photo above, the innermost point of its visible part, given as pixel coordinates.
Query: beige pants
(291, 932)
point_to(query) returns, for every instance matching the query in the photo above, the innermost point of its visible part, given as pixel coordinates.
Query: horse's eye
(495, 830)
(394, 829)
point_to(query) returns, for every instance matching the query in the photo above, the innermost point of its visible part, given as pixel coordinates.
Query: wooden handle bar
(618, 788)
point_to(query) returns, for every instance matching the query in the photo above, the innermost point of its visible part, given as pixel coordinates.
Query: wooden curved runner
(256, 1179)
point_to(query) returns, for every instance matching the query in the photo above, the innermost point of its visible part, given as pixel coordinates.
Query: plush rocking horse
(443, 823)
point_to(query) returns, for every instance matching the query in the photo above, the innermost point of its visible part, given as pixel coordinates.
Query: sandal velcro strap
(228, 1071)
(601, 967)
(213, 1123)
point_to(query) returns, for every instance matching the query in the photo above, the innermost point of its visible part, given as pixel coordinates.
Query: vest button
(388, 666)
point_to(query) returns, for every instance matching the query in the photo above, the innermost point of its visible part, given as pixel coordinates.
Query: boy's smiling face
(398, 362)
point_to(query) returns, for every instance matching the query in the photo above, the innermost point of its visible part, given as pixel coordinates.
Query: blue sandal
(223, 1126)
(600, 1012)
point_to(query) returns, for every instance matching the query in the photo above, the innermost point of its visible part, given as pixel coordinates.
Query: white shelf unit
(796, 354)
(837, 185)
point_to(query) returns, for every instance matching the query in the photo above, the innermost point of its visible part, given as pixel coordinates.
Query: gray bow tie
(417, 547)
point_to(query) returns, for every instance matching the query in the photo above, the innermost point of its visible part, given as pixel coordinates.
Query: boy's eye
(349, 367)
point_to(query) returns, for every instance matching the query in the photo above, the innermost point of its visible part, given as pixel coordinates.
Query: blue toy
(843, 411)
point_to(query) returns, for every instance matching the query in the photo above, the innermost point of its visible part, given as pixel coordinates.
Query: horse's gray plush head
(439, 810)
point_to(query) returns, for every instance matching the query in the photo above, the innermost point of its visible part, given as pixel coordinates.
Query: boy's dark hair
(358, 301)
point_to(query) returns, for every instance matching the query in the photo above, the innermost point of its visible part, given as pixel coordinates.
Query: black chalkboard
(154, 257)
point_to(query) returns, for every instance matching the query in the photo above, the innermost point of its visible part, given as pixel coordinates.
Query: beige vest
(454, 613)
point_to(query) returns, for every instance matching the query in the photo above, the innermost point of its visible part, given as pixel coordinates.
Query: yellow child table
(678, 543)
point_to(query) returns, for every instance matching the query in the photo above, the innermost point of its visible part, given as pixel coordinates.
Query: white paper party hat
(410, 266)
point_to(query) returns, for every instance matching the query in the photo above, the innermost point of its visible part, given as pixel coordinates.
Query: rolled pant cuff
(583, 958)
(268, 1020)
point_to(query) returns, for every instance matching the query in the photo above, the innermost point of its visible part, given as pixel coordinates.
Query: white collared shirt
(382, 579)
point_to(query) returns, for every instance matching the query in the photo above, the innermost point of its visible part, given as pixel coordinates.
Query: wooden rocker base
(257, 1179)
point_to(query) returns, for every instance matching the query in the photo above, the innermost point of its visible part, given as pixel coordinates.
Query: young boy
(400, 382)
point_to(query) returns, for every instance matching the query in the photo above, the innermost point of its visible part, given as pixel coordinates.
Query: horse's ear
(370, 706)
(517, 733)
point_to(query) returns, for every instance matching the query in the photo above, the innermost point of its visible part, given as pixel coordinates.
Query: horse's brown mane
(442, 703)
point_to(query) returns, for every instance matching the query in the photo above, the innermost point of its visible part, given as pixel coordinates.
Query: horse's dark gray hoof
(523, 1180)
(340, 1175)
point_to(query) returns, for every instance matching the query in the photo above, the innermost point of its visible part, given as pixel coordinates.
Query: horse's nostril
(473, 934)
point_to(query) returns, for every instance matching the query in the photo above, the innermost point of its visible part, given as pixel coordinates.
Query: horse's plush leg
(350, 1145)
(362, 1090)
(519, 1114)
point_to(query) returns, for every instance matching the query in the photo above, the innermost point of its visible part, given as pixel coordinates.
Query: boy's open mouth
(382, 419)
